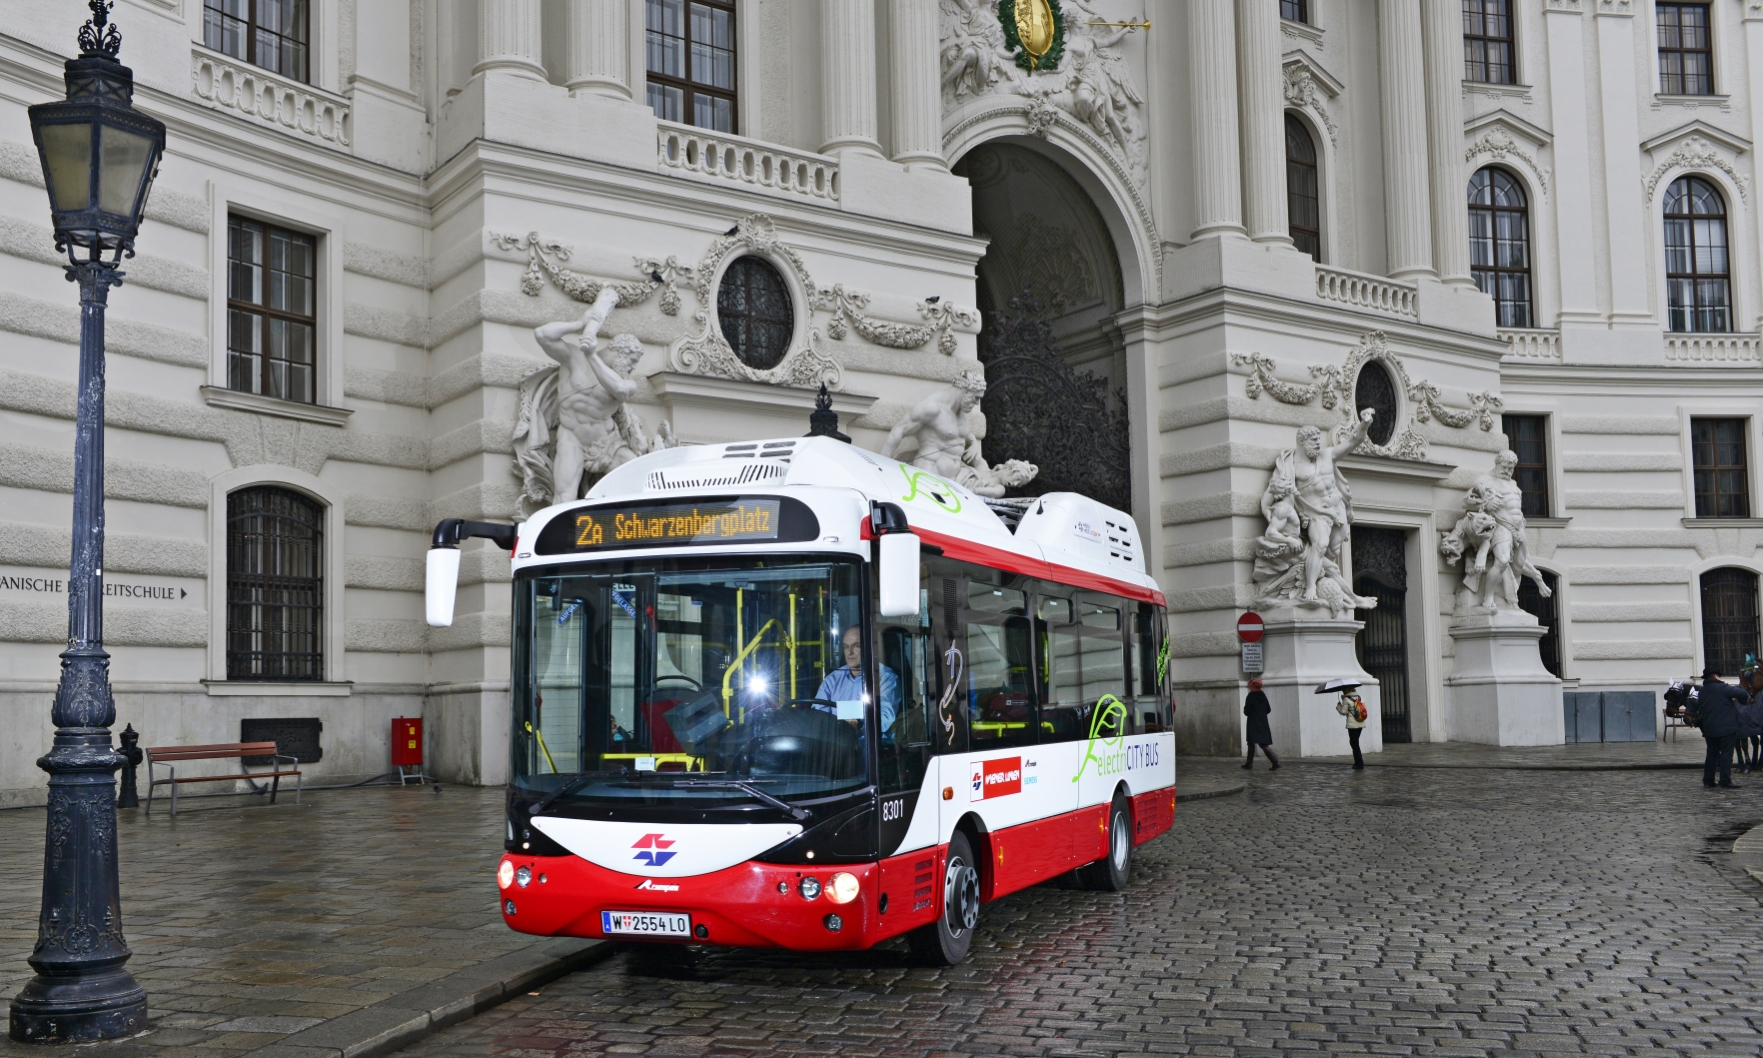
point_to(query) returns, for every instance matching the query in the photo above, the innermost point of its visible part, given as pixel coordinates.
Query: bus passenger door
(903, 718)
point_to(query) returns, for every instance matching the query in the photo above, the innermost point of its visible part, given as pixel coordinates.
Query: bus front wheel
(1111, 873)
(945, 942)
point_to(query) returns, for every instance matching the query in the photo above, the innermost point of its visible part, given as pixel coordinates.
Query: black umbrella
(1337, 685)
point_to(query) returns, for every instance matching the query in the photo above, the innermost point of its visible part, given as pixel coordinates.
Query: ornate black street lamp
(99, 157)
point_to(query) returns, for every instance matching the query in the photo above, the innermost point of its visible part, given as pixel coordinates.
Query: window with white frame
(1698, 271)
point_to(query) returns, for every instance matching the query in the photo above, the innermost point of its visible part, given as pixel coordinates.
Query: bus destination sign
(747, 520)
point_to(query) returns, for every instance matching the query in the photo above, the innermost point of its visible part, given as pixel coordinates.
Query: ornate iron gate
(1380, 567)
(1040, 409)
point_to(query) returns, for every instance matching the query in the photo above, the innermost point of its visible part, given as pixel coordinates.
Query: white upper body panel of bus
(838, 481)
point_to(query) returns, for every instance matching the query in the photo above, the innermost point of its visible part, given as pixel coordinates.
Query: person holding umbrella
(1256, 707)
(1353, 708)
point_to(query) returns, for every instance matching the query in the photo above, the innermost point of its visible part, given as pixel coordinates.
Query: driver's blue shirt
(842, 685)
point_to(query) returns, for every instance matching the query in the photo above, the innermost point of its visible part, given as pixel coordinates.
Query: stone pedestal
(1499, 692)
(1304, 647)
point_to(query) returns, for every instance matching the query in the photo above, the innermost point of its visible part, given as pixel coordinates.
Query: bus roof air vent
(1083, 529)
(674, 481)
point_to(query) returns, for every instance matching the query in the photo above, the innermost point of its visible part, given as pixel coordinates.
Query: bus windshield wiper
(581, 779)
(795, 811)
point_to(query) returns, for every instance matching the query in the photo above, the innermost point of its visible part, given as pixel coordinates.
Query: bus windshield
(689, 682)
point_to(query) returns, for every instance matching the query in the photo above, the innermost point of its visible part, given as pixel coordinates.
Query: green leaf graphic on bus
(937, 489)
(1163, 660)
(1110, 713)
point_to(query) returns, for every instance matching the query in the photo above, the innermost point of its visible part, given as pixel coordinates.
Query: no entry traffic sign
(1250, 628)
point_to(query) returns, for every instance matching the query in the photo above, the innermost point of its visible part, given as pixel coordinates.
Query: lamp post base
(106, 1005)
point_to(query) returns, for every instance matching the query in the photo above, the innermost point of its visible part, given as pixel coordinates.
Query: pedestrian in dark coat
(1721, 724)
(1256, 708)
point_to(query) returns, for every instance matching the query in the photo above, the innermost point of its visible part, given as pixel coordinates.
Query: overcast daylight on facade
(1411, 345)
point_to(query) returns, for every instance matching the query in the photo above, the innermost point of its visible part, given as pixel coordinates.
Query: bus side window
(1002, 710)
(1061, 645)
(1151, 709)
(1104, 661)
(905, 744)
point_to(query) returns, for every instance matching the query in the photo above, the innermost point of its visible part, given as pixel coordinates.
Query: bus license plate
(646, 922)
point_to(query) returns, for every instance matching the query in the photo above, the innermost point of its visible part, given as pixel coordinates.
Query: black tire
(945, 942)
(1113, 871)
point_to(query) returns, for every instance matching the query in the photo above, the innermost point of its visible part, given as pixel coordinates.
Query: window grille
(1698, 275)
(691, 57)
(1526, 436)
(1499, 245)
(1717, 450)
(1729, 619)
(273, 34)
(1303, 197)
(1686, 51)
(272, 324)
(753, 306)
(275, 585)
(1487, 42)
(1375, 389)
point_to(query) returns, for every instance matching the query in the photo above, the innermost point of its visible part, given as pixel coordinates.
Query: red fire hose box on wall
(407, 742)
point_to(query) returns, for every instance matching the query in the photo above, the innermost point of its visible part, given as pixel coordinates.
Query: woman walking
(1353, 708)
(1256, 708)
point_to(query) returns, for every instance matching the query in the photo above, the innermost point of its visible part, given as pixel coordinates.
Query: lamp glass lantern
(99, 158)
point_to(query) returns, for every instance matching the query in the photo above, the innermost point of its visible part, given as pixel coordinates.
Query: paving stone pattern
(1394, 911)
(251, 921)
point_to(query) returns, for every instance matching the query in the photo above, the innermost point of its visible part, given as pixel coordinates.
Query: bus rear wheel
(1113, 871)
(945, 942)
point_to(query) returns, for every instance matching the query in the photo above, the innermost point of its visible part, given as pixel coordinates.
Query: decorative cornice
(1694, 153)
(1498, 144)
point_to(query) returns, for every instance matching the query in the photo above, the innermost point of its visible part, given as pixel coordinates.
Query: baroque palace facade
(1524, 223)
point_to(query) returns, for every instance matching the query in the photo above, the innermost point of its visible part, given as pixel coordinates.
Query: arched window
(1303, 200)
(753, 306)
(1729, 619)
(1499, 244)
(1531, 601)
(1698, 279)
(1375, 389)
(275, 585)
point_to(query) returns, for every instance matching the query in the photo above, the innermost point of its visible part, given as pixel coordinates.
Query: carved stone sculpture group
(1489, 541)
(950, 429)
(1309, 510)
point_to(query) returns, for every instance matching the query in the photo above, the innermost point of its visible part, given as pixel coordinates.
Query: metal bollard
(127, 796)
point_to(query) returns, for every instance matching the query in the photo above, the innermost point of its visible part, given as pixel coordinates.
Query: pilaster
(1262, 103)
(915, 84)
(1406, 186)
(847, 63)
(1218, 195)
(1565, 30)
(1626, 224)
(1442, 21)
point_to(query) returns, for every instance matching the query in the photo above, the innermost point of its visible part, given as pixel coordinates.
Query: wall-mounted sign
(19, 583)
(1252, 664)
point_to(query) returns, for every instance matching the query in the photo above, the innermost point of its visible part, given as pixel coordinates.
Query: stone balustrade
(227, 84)
(767, 168)
(1363, 291)
(1712, 348)
(1532, 344)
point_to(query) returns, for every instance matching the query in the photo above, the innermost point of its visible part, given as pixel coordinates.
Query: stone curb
(1747, 852)
(1207, 794)
(403, 1019)
(1612, 766)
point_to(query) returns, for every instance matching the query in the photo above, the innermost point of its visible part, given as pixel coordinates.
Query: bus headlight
(523, 877)
(809, 887)
(841, 888)
(505, 874)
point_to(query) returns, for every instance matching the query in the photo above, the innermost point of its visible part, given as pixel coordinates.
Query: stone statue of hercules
(590, 393)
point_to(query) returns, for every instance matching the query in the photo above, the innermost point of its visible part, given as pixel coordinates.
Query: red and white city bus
(793, 694)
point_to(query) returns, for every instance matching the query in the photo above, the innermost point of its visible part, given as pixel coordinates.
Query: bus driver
(846, 684)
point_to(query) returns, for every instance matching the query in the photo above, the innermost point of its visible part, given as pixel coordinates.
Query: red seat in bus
(661, 737)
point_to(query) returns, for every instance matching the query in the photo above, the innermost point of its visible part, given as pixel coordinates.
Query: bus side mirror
(443, 585)
(898, 572)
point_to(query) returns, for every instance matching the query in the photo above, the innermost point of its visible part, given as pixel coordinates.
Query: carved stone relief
(1499, 145)
(1335, 387)
(1695, 153)
(1303, 91)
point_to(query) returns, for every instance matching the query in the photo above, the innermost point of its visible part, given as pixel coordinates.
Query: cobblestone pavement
(1392, 911)
(252, 921)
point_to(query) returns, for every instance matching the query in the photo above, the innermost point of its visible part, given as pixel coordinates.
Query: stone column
(1212, 92)
(915, 82)
(1262, 104)
(598, 38)
(510, 36)
(1407, 209)
(1443, 23)
(847, 76)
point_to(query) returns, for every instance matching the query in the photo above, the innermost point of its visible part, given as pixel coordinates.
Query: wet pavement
(252, 921)
(1399, 911)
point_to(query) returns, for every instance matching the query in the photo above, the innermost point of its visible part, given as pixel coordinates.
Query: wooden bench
(163, 756)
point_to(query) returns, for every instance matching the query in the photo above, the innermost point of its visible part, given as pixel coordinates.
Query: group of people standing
(1259, 733)
(1731, 718)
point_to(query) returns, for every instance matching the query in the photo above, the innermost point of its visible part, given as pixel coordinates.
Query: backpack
(1359, 710)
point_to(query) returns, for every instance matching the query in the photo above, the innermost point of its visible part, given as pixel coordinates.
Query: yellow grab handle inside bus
(536, 734)
(728, 674)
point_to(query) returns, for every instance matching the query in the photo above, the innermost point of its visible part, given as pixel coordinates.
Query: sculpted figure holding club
(1309, 509)
(949, 427)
